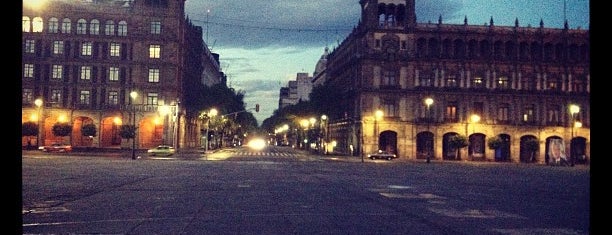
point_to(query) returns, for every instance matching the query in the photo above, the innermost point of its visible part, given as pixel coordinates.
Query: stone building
(508, 85)
(108, 63)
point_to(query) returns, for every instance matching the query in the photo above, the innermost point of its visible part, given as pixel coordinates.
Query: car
(382, 155)
(56, 147)
(161, 150)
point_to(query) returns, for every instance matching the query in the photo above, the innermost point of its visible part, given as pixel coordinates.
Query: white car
(161, 150)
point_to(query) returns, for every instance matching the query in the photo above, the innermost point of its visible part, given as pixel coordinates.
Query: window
(579, 85)
(528, 114)
(122, 28)
(94, 27)
(155, 27)
(81, 26)
(503, 82)
(450, 113)
(404, 45)
(56, 96)
(477, 82)
(28, 70)
(503, 113)
(109, 28)
(37, 25)
(25, 24)
(57, 72)
(451, 81)
(389, 108)
(53, 25)
(115, 49)
(27, 96)
(553, 84)
(84, 97)
(86, 48)
(113, 74)
(426, 80)
(377, 43)
(85, 73)
(154, 75)
(58, 47)
(30, 46)
(389, 78)
(553, 114)
(479, 108)
(66, 25)
(529, 83)
(152, 98)
(113, 98)
(154, 51)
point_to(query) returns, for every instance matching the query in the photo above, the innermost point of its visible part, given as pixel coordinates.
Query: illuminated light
(35, 4)
(117, 121)
(33, 117)
(157, 121)
(62, 118)
(256, 144)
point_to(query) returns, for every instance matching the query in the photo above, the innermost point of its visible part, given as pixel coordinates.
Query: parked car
(161, 150)
(382, 155)
(56, 147)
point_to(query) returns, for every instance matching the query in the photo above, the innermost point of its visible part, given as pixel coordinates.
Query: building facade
(435, 82)
(296, 91)
(108, 63)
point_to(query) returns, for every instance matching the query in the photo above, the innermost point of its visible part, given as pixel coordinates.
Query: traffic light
(257, 108)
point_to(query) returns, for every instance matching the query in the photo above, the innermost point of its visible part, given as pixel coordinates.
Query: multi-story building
(296, 91)
(413, 87)
(109, 63)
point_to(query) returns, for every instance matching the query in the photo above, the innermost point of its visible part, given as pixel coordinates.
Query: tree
(457, 142)
(29, 129)
(532, 146)
(494, 142)
(89, 130)
(127, 131)
(62, 129)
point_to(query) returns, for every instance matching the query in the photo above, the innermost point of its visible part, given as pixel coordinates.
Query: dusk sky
(263, 44)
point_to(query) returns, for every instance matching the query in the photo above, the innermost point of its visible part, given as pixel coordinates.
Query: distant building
(296, 91)
(520, 84)
(82, 60)
(319, 75)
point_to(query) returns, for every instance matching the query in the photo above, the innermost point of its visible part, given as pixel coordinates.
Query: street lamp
(133, 96)
(574, 109)
(428, 103)
(38, 103)
(164, 111)
(474, 118)
(213, 112)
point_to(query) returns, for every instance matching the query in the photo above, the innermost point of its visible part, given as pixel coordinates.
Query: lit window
(27, 96)
(152, 98)
(57, 72)
(113, 74)
(37, 25)
(389, 78)
(30, 45)
(58, 47)
(84, 97)
(81, 26)
(122, 28)
(86, 48)
(109, 28)
(115, 49)
(153, 75)
(503, 82)
(85, 73)
(28, 70)
(94, 27)
(25, 24)
(478, 82)
(154, 51)
(113, 97)
(56, 96)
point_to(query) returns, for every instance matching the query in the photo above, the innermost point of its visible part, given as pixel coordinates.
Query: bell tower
(386, 14)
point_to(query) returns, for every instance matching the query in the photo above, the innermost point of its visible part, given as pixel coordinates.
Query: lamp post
(377, 115)
(213, 112)
(428, 103)
(304, 123)
(474, 118)
(323, 128)
(164, 111)
(133, 96)
(574, 109)
(38, 103)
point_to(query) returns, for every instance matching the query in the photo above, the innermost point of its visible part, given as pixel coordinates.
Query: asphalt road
(283, 191)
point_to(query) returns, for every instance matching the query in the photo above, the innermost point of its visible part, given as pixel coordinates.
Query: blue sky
(263, 44)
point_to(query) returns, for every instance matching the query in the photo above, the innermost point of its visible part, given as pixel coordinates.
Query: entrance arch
(425, 145)
(388, 141)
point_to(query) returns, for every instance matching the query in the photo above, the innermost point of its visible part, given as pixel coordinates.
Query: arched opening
(425, 145)
(388, 141)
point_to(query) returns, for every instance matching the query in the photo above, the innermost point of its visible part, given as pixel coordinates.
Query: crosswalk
(267, 154)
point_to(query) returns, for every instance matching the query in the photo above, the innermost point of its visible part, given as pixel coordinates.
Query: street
(284, 191)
